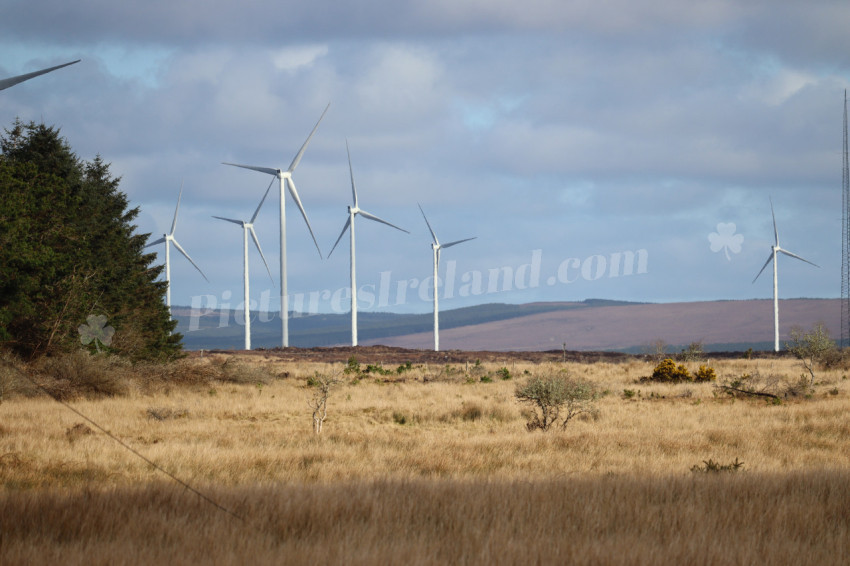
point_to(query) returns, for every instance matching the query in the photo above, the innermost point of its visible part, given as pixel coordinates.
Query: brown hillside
(614, 327)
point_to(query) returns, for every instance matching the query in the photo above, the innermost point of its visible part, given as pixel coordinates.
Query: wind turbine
(285, 178)
(12, 81)
(772, 257)
(249, 227)
(436, 246)
(170, 239)
(353, 211)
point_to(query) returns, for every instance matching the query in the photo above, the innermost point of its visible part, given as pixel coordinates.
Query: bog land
(421, 461)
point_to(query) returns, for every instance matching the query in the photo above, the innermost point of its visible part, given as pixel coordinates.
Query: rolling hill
(594, 324)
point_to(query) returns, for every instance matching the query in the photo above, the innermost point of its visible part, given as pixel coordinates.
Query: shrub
(668, 371)
(352, 367)
(705, 373)
(504, 374)
(811, 348)
(80, 373)
(692, 353)
(710, 466)
(556, 397)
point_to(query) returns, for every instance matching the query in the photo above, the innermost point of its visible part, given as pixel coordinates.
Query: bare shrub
(556, 397)
(322, 386)
(236, 371)
(811, 348)
(756, 385)
(73, 374)
(78, 431)
(693, 352)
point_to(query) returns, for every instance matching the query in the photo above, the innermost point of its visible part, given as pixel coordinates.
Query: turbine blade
(770, 257)
(433, 235)
(775, 231)
(376, 219)
(341, 234)
(176, 209)
(182, 251)
(259, 249)
(450, 244)
(267, 170)
(160, 241)
(290, 184)
(240, 222)
(12, 81)
(351, 172)
(256, 212)
(295, 161)
(786, 252)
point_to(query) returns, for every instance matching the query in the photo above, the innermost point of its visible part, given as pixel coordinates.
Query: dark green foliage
(353, 366)
(503, 374)
(68, 250)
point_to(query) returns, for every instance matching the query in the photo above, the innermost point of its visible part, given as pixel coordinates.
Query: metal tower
(845, 238)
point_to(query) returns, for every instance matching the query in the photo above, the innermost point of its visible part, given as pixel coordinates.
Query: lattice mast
(845, 238)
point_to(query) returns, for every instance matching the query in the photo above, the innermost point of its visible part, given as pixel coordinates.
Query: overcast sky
(563, 134)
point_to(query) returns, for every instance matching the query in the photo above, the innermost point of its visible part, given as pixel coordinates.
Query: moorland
(214, 459)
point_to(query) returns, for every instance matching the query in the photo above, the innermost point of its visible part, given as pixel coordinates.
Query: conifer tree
(68, 250)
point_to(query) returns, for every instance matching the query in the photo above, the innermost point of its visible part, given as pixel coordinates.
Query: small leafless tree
(322, 386)
(811, 348)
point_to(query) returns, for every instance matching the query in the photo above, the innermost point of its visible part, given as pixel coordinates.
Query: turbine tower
(436, 246)
(353, 211)
(170, 239)
(845, 238)
(12, 81)
(772, 257)
(285, 178)
(249, 227)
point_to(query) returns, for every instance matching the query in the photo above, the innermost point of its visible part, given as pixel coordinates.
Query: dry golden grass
(432, 466)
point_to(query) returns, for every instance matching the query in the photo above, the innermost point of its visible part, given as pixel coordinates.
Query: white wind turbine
(170, 239)
(772, 257)
(436, 246)
(12, 81)
(353, 211)
(249, 227)
(285, 178)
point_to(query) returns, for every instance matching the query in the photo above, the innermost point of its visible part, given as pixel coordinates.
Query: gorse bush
(669, 371)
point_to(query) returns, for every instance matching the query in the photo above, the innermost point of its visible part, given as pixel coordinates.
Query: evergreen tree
(68, 250)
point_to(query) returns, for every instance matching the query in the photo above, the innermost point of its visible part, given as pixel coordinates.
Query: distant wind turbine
(772, 257)
(12, 81)
(285, 178)
(436, 246)
(249, 227)
(353, 211)
(170, 239)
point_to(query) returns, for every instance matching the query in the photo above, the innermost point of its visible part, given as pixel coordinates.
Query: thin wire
(132, 450)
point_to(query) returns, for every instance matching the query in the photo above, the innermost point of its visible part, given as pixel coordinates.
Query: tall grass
(798, 518)
(430, 466)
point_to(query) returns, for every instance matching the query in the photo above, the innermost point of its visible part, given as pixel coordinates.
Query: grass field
(430, 466)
